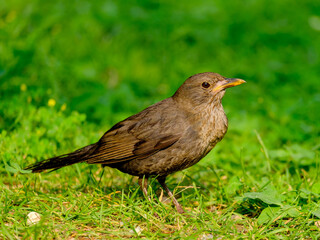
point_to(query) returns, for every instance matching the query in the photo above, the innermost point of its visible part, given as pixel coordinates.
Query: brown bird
(164, 138)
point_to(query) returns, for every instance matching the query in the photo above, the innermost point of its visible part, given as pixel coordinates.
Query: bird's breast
(215, 127)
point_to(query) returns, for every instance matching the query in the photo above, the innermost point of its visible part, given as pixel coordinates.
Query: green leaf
(15, 168)
(280, 154)
(316, 188)
(11, 169)
(291, 211)
(25, 171)
(268, 214)
(233, 185)
(305, 193)
(316, 212)
(272, 213)
(269, 196)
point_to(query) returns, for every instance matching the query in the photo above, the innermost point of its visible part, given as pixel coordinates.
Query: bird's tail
(54, 163)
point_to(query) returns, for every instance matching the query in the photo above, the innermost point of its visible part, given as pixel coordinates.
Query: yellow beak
(229, 82)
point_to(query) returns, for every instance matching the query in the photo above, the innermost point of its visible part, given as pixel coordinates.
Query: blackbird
(164, 138)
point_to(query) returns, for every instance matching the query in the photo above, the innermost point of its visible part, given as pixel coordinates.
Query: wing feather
(137, 137)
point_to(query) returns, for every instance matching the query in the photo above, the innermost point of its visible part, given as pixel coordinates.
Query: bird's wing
(137, 137)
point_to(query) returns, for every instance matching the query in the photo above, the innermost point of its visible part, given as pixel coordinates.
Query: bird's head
(204, 88)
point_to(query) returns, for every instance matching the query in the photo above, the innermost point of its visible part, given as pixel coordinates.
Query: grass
(69, 70)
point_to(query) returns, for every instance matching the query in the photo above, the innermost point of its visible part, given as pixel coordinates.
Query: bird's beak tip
(232, 82)
(229, 82)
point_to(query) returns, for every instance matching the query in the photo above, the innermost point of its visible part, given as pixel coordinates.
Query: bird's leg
(162, 180)
(143, 182)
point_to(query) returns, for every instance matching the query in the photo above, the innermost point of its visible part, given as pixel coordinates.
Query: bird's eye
(205, 84)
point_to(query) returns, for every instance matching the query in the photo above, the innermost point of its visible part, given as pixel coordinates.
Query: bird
(164, 138)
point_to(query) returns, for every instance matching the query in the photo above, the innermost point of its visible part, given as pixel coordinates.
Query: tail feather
(55, 163)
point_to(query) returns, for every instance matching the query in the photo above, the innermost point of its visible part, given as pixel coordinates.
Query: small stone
(33, 218)
(138, 230)
(206, 236)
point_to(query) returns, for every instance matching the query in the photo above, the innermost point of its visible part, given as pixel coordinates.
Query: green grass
(69, 70)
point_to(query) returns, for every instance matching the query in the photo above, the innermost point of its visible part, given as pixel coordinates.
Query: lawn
(70, 70)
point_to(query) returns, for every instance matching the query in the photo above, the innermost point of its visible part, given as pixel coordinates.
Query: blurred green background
(109, 59)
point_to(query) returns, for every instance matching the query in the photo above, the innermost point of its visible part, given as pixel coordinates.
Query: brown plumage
(166, 137)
